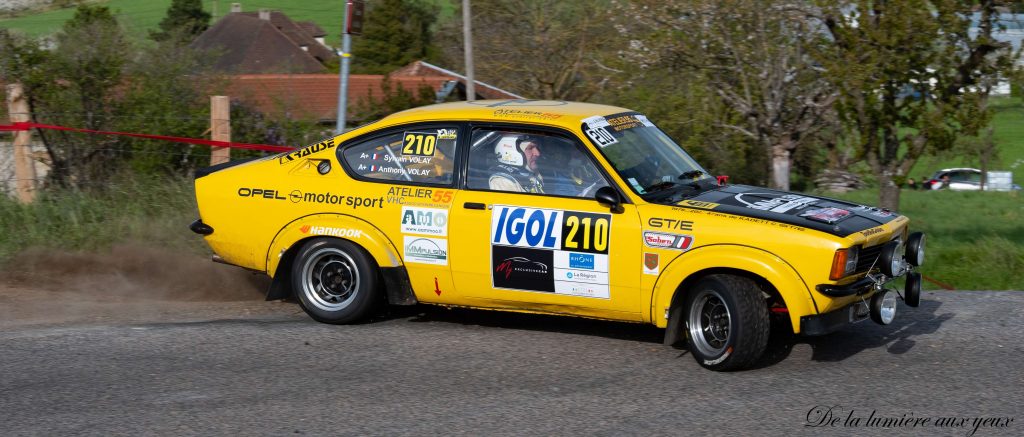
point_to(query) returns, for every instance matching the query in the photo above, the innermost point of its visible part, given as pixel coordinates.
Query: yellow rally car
(552, 207)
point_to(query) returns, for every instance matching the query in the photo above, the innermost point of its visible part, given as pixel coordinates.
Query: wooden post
(220, 128)
(24, 168)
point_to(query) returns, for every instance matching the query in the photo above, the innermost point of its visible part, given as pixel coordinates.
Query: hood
(833, 216)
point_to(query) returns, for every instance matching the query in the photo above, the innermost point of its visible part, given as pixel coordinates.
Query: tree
(754, 56)
(911, 77)
(185, 19)
(541, 49)
(395, 33)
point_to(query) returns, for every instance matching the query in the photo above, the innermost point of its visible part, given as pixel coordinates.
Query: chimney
(236, 7)
(265, 14)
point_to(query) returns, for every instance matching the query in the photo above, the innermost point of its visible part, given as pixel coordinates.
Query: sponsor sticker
(826, 215)
(425, 250)
(538, 249)
(651, 263)
(698, 204)
(775, 203)
(419, 143)
(662, 240)
(306, 151)
(430, 221)
(331, 232)
(522, 269)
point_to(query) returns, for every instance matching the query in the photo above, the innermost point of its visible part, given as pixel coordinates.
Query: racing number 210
(586, 233)
(419, 144)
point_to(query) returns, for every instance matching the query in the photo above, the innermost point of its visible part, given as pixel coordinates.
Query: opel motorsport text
(553, 207)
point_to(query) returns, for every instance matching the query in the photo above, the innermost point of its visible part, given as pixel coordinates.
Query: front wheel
(727, 322)
(335, 281)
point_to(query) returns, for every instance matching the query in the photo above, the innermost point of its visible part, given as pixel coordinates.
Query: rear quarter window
(422, 156)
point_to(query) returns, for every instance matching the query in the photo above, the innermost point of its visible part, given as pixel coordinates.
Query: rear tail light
(844, 263)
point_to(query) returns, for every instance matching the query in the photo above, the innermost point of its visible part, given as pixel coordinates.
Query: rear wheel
(727, 322)
(335, 281)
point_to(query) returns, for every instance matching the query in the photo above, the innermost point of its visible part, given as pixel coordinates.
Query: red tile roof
(420, 68)
(315, 96)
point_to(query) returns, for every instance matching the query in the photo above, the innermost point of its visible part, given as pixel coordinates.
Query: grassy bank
(156, 213)
(975, 240)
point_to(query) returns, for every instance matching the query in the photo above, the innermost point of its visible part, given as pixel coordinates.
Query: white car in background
(962, 179)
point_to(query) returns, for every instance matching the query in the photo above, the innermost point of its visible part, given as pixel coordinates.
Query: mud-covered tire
(726, 322)
(335, 281)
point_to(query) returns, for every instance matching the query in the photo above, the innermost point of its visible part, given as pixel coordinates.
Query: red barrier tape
(24, 126)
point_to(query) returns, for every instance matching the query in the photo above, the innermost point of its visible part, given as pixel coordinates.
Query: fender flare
(356, 230)
(766, 265)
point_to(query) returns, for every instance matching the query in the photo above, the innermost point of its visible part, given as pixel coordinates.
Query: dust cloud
(132, 272)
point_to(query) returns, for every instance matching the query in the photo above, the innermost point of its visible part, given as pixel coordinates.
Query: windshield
(647, 159)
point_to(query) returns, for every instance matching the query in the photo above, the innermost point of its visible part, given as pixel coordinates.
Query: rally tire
(726, 322)
(336, 281)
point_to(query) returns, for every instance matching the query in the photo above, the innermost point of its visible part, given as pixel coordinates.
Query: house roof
(247, 44)
(315, 96)
(312, 29)
(420, 68)
(297, 33)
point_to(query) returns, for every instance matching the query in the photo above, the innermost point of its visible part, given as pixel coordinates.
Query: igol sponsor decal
(331, 232)
(260, 192)
(550, 229)
(306, 151)
(426, 250)
(667, 241)
(328, 198)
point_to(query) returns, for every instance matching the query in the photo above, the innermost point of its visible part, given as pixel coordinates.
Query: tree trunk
(780, 167)
(888, 193)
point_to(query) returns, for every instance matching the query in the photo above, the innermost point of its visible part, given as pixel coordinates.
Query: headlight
(844, 263)
(915, 249)
(891, 261)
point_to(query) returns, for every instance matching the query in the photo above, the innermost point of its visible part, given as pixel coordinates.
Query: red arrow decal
(437, 288)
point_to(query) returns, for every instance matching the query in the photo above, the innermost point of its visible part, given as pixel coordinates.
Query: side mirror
(609, 197)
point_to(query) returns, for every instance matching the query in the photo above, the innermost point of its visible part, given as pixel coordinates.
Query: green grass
(155, 212)
(975, 240)
(1008, 134)
(141, 16)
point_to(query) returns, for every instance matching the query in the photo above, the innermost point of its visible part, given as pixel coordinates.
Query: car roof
(959, 169)
(551, 112)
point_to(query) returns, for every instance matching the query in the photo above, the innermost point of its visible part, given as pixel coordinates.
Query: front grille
(868, 257)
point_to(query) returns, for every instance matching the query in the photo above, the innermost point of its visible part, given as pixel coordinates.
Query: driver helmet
(509, 149)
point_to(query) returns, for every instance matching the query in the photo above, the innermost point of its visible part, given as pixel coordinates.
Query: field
(1008, 134)
(140, 16)
(975, 240)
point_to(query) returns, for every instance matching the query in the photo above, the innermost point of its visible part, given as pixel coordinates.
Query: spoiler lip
(200, 172)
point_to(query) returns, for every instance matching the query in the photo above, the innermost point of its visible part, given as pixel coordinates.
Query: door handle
(474, 205)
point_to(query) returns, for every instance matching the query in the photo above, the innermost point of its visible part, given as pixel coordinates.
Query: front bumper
(826, 323)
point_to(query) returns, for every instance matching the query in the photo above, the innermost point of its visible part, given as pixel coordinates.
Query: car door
(528, 235)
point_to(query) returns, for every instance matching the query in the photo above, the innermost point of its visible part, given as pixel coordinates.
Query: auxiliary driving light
(912, 294)
(883, 307)
(891, 262)
(915, 249)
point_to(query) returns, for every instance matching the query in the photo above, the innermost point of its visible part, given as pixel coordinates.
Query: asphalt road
(433, 371)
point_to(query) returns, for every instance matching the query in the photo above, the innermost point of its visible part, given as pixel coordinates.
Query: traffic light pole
(346, 56)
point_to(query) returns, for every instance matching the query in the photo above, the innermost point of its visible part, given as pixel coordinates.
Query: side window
(419, 155)
(531, 162)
